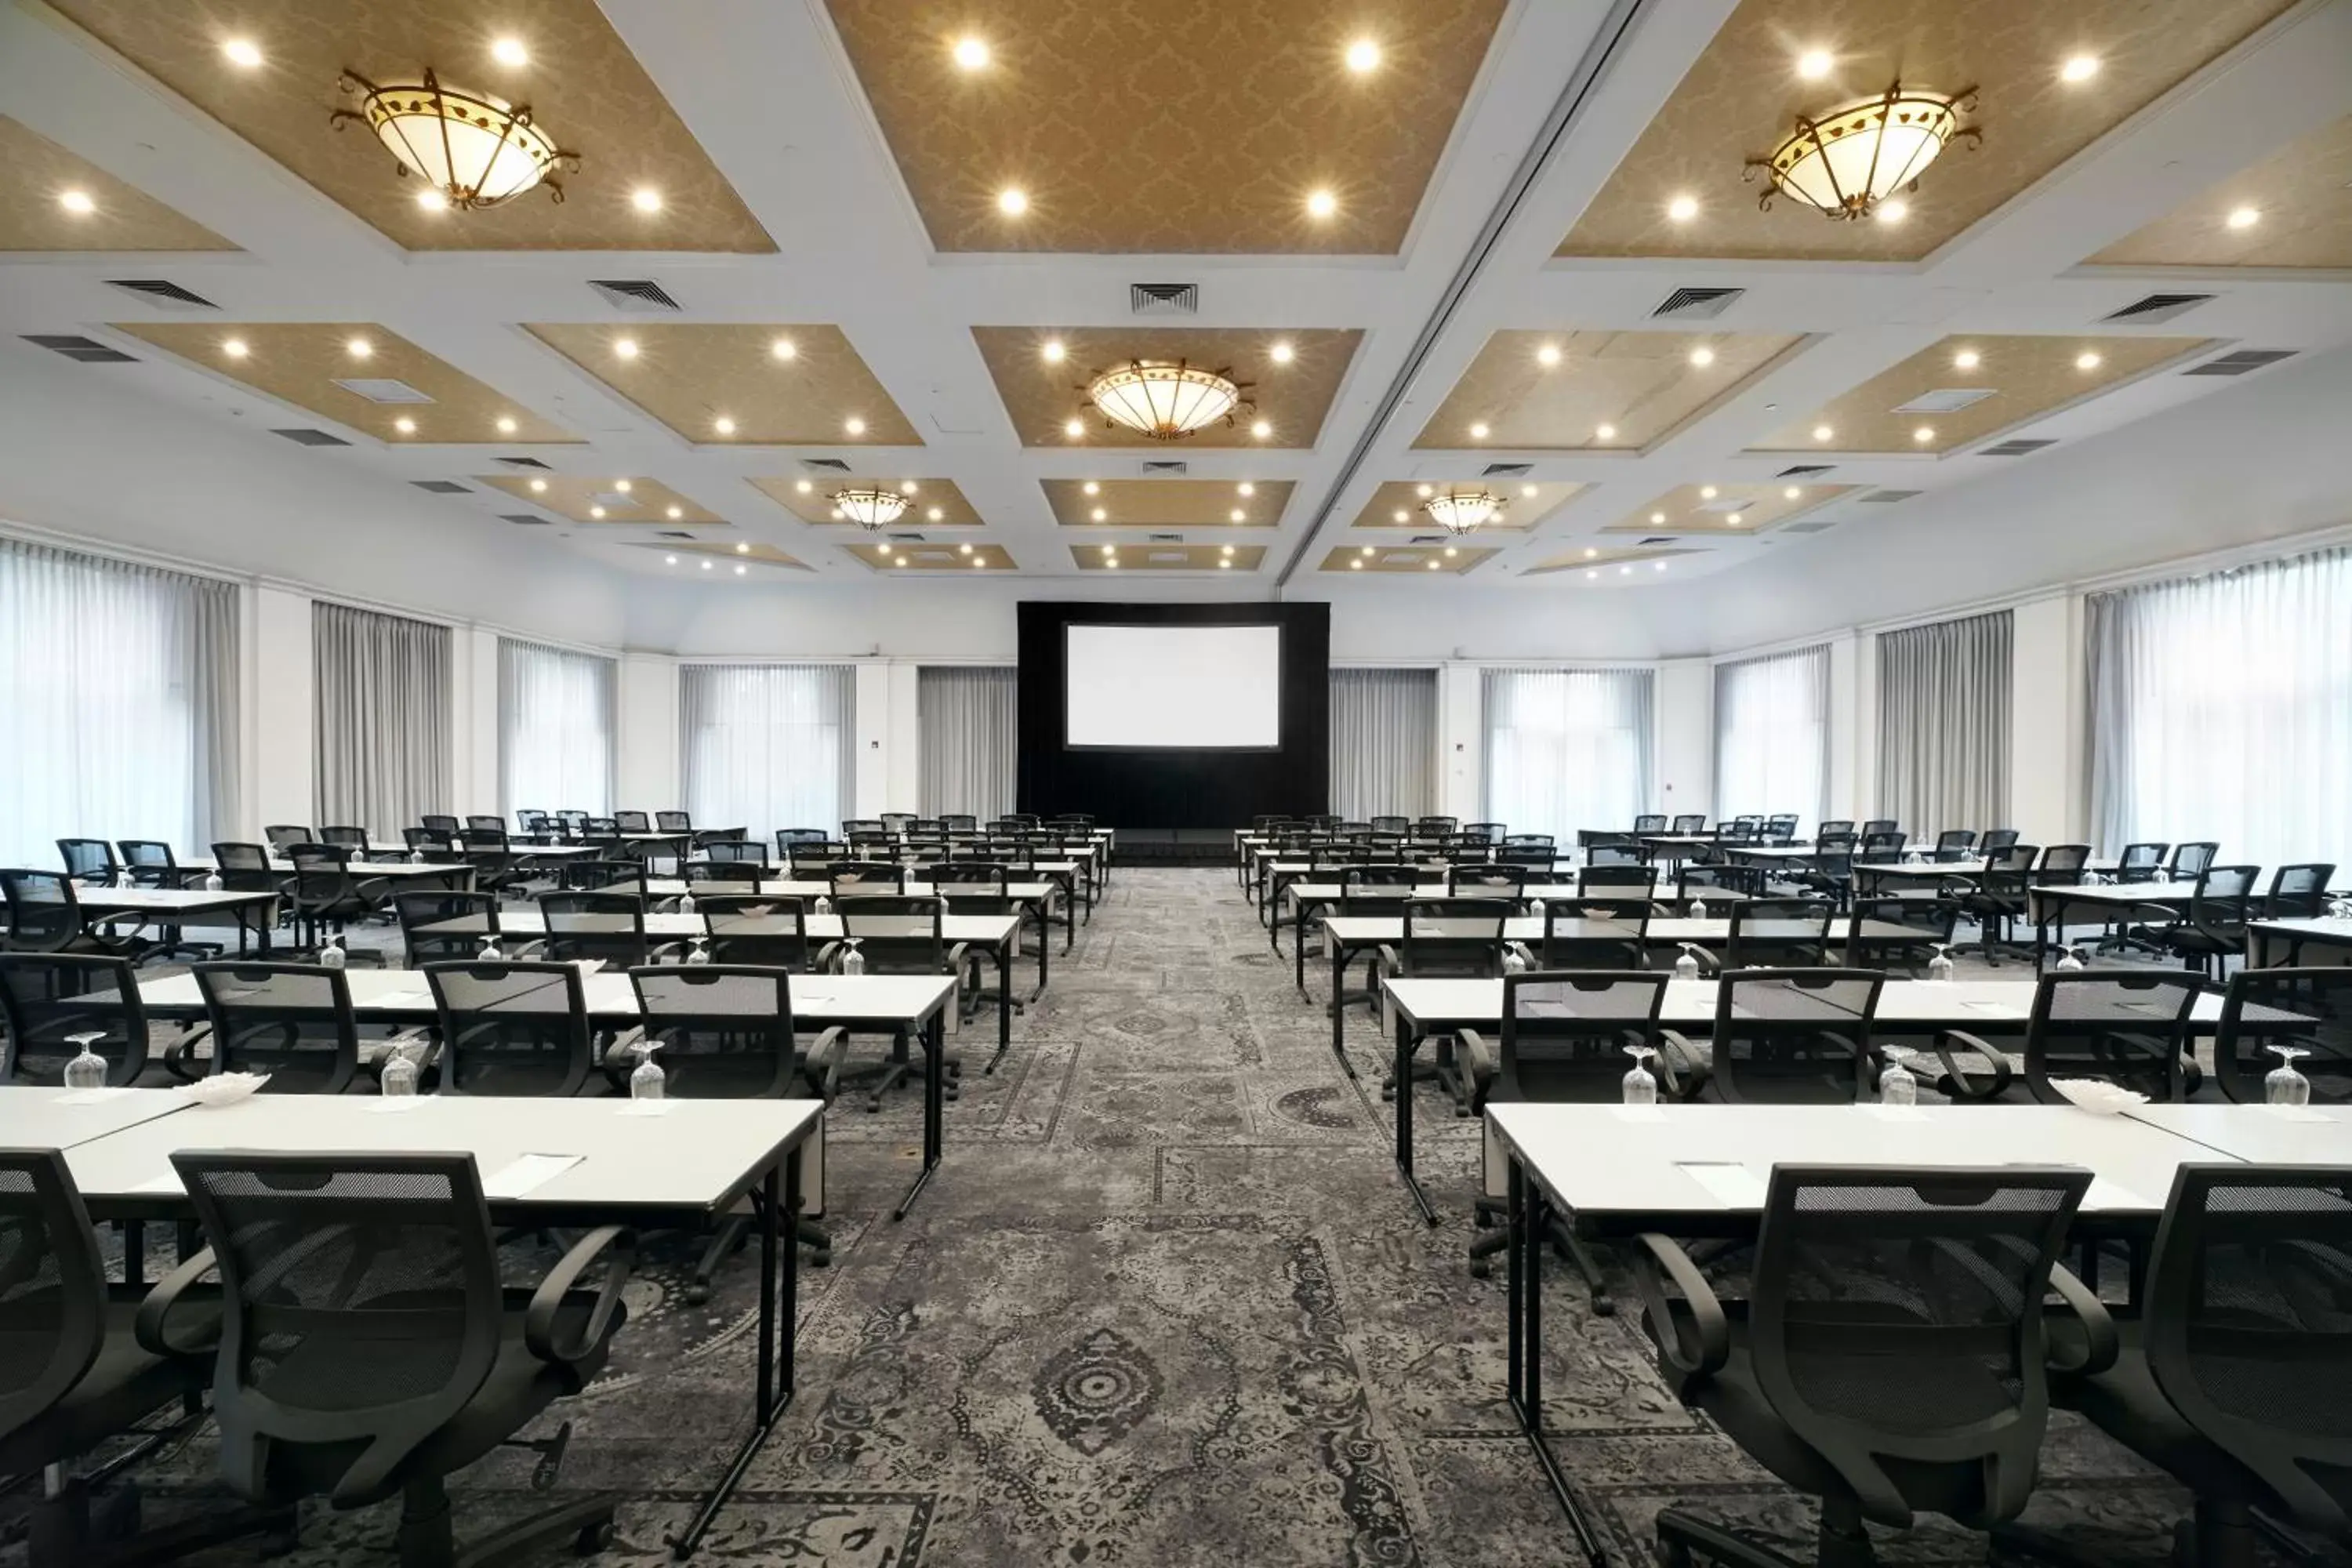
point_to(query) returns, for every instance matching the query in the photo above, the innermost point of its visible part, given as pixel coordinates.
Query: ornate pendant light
(1166, 400)
(1859, 153)
(475, 152)
(1461, 509)
(870, 507)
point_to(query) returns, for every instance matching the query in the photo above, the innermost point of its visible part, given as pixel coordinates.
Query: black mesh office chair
(1597, 930)
(1508, 883)
(749, 851)
(150, 863)
(434, 844)
(2307, 1009)
(2298, 892)
(291, 1021)
(630, 821)
(1787, 931)
(247, 869)
(1650, 822)
(355, 840)
(1617, 855)
(286, 835)
(575, 824)
(722, 876)
(673, 822)
(48, 997)
(2000, 896)
(369, 1348)
(46, 916)
(1390, 824)
(513, 1029)
(1781, 828)
(2211, 926)
(903, 934)
(1926, 925)
(2142, 862)
(1995, 841)
(1879, 825)
(1690, 822)
(760, 929)
(421, 909)
(1442, 939)
(89, 861)
(1841, 825)
(2129, 1027)
(2188, 861)
(448, 824)
(595, 874)
(1925, 1391)
(853, 879)
(726, 1033)
(601, 925)
(1371, 892)
(325, 894)
(1563, 1042)
(1787, 1036)
(1955, 842)
(1701, 880)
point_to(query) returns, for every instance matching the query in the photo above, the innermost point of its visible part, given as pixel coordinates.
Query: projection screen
(1172, 688)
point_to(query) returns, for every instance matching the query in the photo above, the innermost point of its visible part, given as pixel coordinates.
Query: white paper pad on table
(1894, 1112)
(647, 1107)
(2284, 1112)
(1733, 1186)
(525, 1173)
(393, 1105)
(101, 1096)
(1638, 1113)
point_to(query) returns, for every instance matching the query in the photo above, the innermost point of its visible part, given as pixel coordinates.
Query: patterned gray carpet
(1163, 1305)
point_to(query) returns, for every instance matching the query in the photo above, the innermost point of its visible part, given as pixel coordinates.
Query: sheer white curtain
(118, 704)
(2221, 708)
(1566, 749)
(1944, 724)
(1772, 736)
(1383, 742)
(556, 722)
(966, 746)
(768, 745)
(382, 707)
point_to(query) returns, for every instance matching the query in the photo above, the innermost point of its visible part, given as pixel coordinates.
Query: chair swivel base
(1488, 1214)
(426, 1539)
(1684, 1540)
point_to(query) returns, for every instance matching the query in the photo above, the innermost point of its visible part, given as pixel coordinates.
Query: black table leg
(1339, 1015)
(1044, 947)
(1406, 1042)
(765, 1405)
(1298, 948)
(1524, 1279)
(935, 1079)
(1005, 1003)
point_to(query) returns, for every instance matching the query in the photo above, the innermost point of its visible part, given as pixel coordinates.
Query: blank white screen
(1175, 687)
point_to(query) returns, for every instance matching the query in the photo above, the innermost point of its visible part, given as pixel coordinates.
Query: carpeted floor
(1164, 1305)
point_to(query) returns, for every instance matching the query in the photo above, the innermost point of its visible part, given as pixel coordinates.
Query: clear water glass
(853, 961)
(1896, 1085)
(648, 1082)
(1640, 1086)
(1513, 962)
(490, 954)
(400, 1073)
(1698, 907)
(1687, 966)
(1940, 966)
(332, 955)
(823, 906)
(700, 952)
(2283, 1085)
(2340, 906)
(2070, 961)
(88, 1069)
(685, 903)
(213, 883)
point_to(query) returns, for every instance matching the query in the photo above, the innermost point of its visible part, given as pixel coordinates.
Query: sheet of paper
(1733, 1186)
(647, 1107)
(1638, 1113)
(525, 1173)
(2294, 1113)
(1894, 1112)
(397, 1105)
(101, 1096)
(404, 999)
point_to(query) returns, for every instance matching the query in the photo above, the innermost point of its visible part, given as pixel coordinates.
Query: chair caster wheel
(1387, 1091)
(592, 1539)
(1481, 1269)
(820, 1261)
(1603, 1307)
(697, 1293)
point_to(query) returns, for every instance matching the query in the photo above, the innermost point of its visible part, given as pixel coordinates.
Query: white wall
(1684, 724)
(280, 748)
(651, 775)
(2049, 762)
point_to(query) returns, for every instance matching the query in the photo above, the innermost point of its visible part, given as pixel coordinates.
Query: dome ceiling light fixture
(475, 150)
(1460, 510)
(870, 507)
(1858, 154)
(1166, 400)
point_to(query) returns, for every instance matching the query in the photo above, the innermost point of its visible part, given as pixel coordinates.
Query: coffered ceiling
(823, 290)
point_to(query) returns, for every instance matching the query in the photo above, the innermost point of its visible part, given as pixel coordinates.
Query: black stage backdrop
(1176, 789)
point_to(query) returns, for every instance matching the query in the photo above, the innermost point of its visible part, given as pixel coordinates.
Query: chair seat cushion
(123, 1385)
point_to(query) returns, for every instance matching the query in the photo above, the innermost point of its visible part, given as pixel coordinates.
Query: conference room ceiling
(790, 211)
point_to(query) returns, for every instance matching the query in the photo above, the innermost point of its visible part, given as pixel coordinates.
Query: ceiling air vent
(1399, 558)
(1805, 528)
(2016, 448)
(1697, 304)
(1164, 299)
(1163, 539)
(905, 538)
(1506, 470)
(2240, 363)
(2156, 308)
(1945, 400)
(382, 389)
(1659, 539)
(522, 520)
(673, 533)
(441, 487)
(1890, 495)
(638, 295)
(163, 295)
(824, 465)
(1166, 557)
(312, 437)
(1804, 471)
(1165, 468)
(524, 463)
(1431, 539)
(86, 350)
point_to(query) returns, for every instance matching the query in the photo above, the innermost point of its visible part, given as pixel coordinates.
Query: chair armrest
(539, 1321)
(1962, 1087)
(1658, 1261)
(1385, 960)
(2101, 1345)
(1474, 1046)
(1686, 1080)
(176, 1055)
(825, 957)
(151, 1327)
(1526, 956)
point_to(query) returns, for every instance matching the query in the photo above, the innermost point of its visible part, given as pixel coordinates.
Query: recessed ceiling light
(1590, 551)
(1110, 550)
(706, 566)
(1707, 492)
(625, 348)
(804, 487)
(1262, 430)
(1604, 433)
(1424, 491)
(906, 486)
(1791, 493)
(235, 348)
(739, 570)
(1053, 351)
(1238, 515)
(1822, 431)
(1365, 550)
(1012, 201)
(1814, 64)
(1101, 514)
(2087, 360)
(1109, 565)
(1228, 550)
(1073, 428)
(902, 560)
(1548, 355)
(2244, 217)
(539, 486)
(1682, 209)
(404, 425)
(624, 485)
(1702, 357)
(359, 348)
(1400, 515)
(1592, 576)
(506, 426)
(1091, 487)
(241, 52)
(1966, 359)
(1892, 212)
(1281, 353)
(783, 348)
(723, 425)
(1227, 563)
(1450, 550)
(883, 548)
(1321, 203)
(1363, 57)
(1478, 431)
(1433, 566)
(509, 52)
(966, 549)
(743, 549)
(1657, 565)
(936, 513)
(77, 201)
(1356, 564)
(669, 560)
(1528, 492)
(838, 515)
(1924, 434)
(1625, 571)
(972, 53)
(2079, 68)
(595, 511)
(1734, 518)
(1246, 487)
(432, 200)
(1658, 520)
(853, 425)
(676, 513)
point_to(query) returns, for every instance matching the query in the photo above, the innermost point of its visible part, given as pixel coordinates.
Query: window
(1772, 736)
(118, 704)
(382, 707)
(1944, 724)
(1566, 749)
(1383, 742)
(555, 729)
(768, 745)
(2221, 708)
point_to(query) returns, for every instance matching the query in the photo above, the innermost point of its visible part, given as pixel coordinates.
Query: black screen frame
(1281, 638)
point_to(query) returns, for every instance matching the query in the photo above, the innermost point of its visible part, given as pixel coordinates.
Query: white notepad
(1638, 1113)
(1733, 1186)
(395, 1105)
(1894, 1112)
(2284, 1112)
(647, 1107)
(101, 1096)
(525, 1173)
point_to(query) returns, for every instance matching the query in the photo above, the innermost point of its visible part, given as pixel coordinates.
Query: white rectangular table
(2258, 1134)
(787, 884)
(2271, 944)
(182, 906)
(41, 1117)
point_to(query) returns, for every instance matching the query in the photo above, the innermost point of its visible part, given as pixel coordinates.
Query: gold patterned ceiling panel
(1727, 508)
(931, 556)
(1398, 502)
(52, 200)
(1167, 557)
(583, 85)
(309, 363)
(739, 384)
(1167, 504)
(1743, 94)
(2022, 378)
(1293, 378)
(1594, 558)
(1427, 561)
(712, 556)
(1592, 391)
(1133, 126)
(930, 503)
(2292, 209)
(590, 500)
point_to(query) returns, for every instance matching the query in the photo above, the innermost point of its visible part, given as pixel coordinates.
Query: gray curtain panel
(769, 745)
(1944, 724)
(1772, 736)
(216, 802)
(558, 715)
(966, 746)
(384, 719)
(1383, 742)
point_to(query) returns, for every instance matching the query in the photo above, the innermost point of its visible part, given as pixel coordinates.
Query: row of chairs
(1753, 827)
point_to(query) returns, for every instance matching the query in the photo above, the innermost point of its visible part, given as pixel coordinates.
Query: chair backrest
(486, 824)
(1781, 826)
(2300, 891)
(2246, 1328)
(1995, 841)
(2224, 899)
(45, 998)
(2140, 862)
(1930, 1388)
(245, 868)
(1390, 824)
(2011, 870)
(598, 875)
(673, 822)
(150, 862)
(447, 825)
(322, 877)
(512, 1028)
(44, 915)
(1693, 879)
(1452, 936)
(959, 822)
(1650, 822)
(2124, 1027)
(1879, 825)
(1954, 842)
(606, 925)
(52, 1286)
(2062, 864)
(899, 933)
(350, 837)
(419, 908)
(1794, 1037)
(1881, 843)
(2189, 860)
(736, 849)
(1833, 825)
(1484, 832)
(786, 837)
(897, 821)
(575, 823)
(725, 1029)
(860, 877)
(1567, 944)
(434, 844)
(1486, 881)
(1690, 822)
(530, 821)
(291, 1021)
(1565, 1032)
(89, 859)
(1634, 877)
(2309, 1008)
(632, 822)
(286, 835)
(723, 874)
(362, 1310)
(1616, 854)
(988, 877)
(1779, 929)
